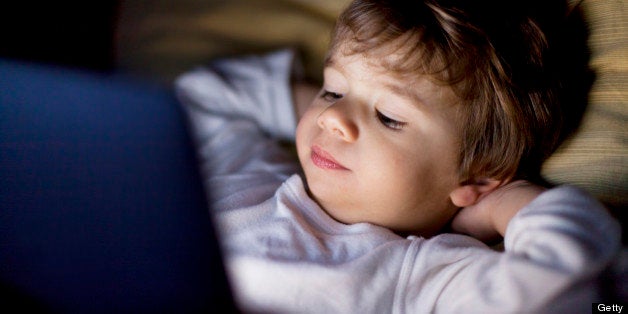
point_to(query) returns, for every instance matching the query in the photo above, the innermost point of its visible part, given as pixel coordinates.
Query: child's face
(379, 148)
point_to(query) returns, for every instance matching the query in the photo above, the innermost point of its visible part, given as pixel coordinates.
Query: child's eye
(330, 96)
(388, 122)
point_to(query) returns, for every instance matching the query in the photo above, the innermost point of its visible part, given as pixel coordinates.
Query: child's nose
(334, 120)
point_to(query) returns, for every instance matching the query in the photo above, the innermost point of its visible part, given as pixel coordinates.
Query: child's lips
(325, 160)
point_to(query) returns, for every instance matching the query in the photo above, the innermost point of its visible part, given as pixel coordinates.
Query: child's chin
(325, 201)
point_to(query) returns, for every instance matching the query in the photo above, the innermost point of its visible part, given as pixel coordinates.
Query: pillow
(162, 39)
(596, 156)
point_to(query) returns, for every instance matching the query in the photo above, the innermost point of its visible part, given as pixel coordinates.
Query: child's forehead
(380, 61)
(380, 67)
(358, 67)
(363, 67)
(404, 57)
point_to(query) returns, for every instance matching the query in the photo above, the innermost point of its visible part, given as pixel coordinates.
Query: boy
(432, 115)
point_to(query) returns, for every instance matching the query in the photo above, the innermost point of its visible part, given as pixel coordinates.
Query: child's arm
(555, 246)
(237, 109)
(488, 219)
(254, 87)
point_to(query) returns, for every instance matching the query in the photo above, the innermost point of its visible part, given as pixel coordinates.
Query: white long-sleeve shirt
(284, 254)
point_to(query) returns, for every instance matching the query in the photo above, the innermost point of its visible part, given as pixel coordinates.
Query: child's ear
(470, 193)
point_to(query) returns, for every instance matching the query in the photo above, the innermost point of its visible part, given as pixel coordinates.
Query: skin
(389, 154)
(374, 151)
(488, 217)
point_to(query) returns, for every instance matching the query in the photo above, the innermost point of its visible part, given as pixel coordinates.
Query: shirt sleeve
(254, 87)
(238, 109)
(555, 250)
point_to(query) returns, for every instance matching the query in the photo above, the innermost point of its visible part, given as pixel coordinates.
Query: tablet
(102, 208)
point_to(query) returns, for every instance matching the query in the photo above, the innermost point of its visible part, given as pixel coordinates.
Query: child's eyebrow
(405, 92)
(401, 91)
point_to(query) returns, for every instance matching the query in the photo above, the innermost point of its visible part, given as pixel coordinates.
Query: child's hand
(488, 218)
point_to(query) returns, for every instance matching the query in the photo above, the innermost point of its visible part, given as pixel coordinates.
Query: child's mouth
(324, 160)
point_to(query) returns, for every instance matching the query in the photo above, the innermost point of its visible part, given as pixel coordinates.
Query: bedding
(596, 157)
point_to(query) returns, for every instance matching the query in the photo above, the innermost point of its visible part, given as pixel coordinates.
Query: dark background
(70, 33)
